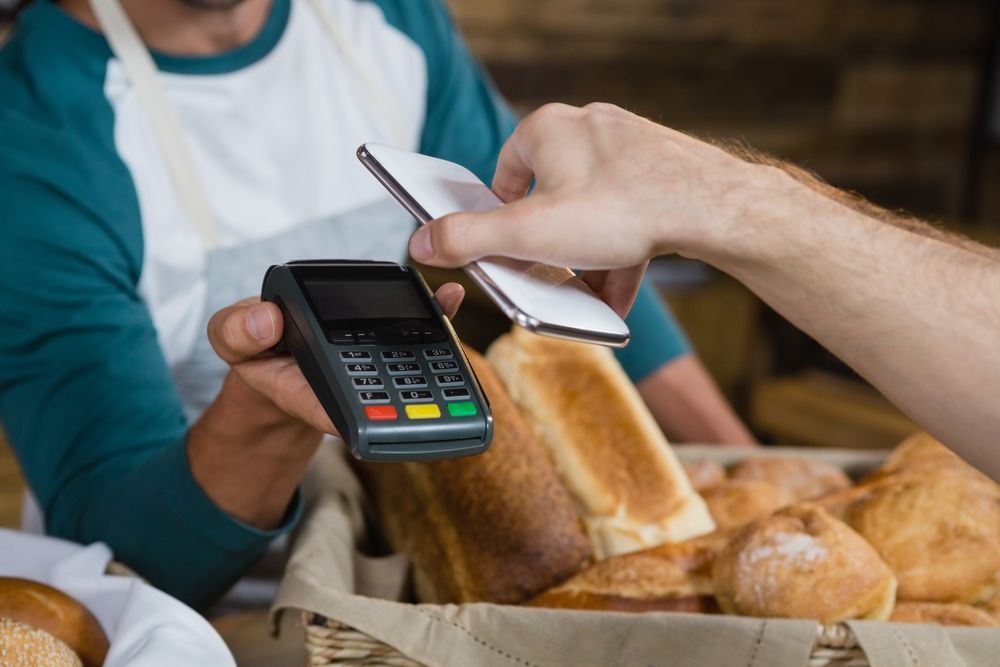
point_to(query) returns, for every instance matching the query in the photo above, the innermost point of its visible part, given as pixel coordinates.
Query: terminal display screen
(366, 299)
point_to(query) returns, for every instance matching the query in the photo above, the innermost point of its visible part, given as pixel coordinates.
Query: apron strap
(138, 63)
(141, 70)
(383, 106)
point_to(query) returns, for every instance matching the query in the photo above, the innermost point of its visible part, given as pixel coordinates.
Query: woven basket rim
(330, 642)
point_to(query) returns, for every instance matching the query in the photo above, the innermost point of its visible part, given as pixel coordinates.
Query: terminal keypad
(420, 379)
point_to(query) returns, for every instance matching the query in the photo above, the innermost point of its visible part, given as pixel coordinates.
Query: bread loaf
(803, 563)
(737, 502)
(799, 479)
(24, 646)
(495, 528)
(670, 577)
(939, 531)
(45, 608)
(610, 453)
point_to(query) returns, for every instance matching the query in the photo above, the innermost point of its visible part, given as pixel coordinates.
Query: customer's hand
(242, 334)
(611, 190)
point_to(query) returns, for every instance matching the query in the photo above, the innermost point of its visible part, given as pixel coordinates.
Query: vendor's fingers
(280, 380)
(244, 330)
(449, 296)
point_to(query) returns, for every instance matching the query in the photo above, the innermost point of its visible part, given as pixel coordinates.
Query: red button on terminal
(380, 412)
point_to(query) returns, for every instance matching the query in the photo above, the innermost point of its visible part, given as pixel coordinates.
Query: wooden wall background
(884, 97)
(879, 96)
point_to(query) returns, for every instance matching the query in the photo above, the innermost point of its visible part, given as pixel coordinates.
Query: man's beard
(211, 4)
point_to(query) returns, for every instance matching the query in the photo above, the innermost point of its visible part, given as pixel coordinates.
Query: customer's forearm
(248, 456)
(912, 310)
(917, 316)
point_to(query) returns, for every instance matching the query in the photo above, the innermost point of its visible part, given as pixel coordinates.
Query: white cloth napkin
(144, 625)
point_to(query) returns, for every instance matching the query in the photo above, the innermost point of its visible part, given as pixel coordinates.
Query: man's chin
(212, 4)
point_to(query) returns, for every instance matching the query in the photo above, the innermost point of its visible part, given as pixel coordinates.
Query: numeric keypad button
(415, 396)
(459, 394)
(397, 355)
(403, 369)
(368, 382)
(361, 369)
(409, 381)
(443, 366)
(449, 380)
(373, 397)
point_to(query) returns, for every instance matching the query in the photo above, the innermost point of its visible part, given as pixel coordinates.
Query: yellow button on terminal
(424, 411)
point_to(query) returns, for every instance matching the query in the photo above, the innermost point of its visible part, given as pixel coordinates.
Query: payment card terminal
(382, 358)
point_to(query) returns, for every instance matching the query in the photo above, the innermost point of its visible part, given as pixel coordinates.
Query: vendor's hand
(611, 190)
(243, 333)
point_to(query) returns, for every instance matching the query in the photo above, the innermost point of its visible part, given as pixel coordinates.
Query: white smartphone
(547, 300)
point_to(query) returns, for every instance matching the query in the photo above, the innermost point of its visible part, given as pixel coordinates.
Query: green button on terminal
(463, 409)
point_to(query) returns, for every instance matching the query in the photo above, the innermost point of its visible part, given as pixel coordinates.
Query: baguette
(627, 483)
(670, 577)
(499, 527)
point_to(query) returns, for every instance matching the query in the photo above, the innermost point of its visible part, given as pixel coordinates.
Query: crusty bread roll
(799, 479)
(941, 613)
(607, 448)
(495, 528)
(921, 453)
(45, 608)
(704, 474)
(837, 503)
(803, 563)
(938, 529)
(670, 577)
(24, 646)
(737, 502)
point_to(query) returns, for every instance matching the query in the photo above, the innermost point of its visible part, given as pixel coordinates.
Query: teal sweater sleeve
(86, 399)
(657, 338)
(468, 121)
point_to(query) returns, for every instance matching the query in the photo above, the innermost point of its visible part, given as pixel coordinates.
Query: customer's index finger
(514, 173)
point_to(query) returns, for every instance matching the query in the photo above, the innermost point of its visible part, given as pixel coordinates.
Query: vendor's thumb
(460, 238)
(244, 329)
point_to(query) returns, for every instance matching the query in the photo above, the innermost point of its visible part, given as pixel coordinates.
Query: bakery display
(44, 608)
(499, 527)
(607, 448)
(582, 504)
(942, 614)
(803, 563)
(24, 646)
(670, 577)
(737, 502)
(799, 479)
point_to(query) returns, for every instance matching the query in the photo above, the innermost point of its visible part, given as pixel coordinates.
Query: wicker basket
(331, 643)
